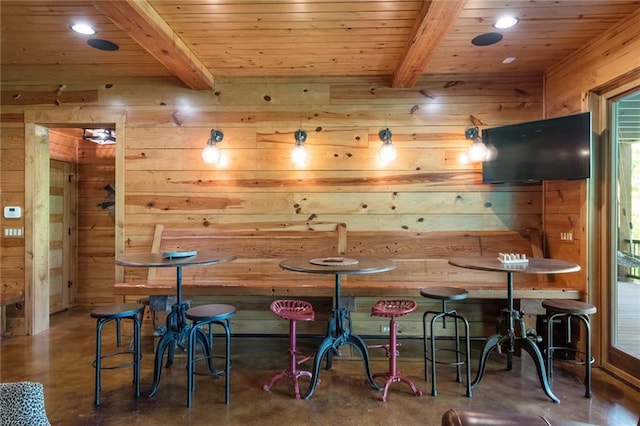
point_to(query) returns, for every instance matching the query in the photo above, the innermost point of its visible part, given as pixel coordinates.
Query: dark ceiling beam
(433, 24)
(142, 23)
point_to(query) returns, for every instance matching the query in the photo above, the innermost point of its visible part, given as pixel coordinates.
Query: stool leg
(424, 341)
(457, 332)
(118, 333)
(137, 352)
(98, 360)
(587, 373)
(227, 385)
(292, 357)
(467, 353)
(549, 346)
(191, 355)
(434, 390)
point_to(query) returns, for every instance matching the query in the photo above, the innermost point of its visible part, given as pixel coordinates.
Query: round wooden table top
(536, 265)
(158, 260)
(364, 265)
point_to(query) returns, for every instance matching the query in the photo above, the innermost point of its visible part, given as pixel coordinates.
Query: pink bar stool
(292, 310)
(392, 309)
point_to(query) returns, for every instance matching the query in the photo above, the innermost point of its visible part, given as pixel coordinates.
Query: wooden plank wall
(427, 188)
(96, 228)
(611, 60)
(12, 256)
(613, 56)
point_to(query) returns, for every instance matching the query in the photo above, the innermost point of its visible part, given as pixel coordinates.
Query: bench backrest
(424, 256)
(258, 252)
(419, 256)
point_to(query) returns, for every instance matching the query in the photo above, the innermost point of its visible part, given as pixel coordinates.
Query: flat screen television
(553, 149)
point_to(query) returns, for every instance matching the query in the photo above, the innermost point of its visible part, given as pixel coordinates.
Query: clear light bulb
(477, 151)
(299, 155)
(387, 153)
(211, 154)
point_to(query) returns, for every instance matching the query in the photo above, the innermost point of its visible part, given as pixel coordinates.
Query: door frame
(36, 188)
(602, 261)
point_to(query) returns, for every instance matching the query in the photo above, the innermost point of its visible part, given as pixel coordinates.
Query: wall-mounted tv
(553, 149)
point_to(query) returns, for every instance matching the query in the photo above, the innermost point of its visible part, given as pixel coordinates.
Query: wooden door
(62, 196)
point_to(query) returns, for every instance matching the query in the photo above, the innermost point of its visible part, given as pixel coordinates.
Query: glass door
(624, 293)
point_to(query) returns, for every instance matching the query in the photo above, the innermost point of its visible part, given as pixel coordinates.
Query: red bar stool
(392, 309)
(292, 310)
(569, 309)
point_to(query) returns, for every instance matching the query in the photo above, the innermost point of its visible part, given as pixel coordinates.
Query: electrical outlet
(384, 329)
(566, 236)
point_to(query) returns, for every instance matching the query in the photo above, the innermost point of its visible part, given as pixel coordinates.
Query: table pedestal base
(337, 336)
(513, 342)
(175, 336)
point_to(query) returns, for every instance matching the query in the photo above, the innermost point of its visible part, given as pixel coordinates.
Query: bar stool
(445, 294)
(206, 315)
(569, 309)
(292, 310)
(116, 313)
(393, 309)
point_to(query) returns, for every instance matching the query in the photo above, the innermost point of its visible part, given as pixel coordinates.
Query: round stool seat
(393, 308)
(220, 312)
(444, 293)
(123, 310)
(569, 307)
(294, 310)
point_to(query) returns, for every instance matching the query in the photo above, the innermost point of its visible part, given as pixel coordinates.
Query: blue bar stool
(207, 315)
(116, 313)
(568, 310)
(445, 294)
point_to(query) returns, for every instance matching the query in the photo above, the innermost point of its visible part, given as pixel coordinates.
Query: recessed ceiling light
(509, 59)
(506, 22)
(83, 28)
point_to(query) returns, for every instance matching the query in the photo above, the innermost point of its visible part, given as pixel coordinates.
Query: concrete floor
(61, 359)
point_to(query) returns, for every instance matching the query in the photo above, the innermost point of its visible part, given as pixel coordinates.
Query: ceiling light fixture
(211, 153)
(99, 136)
(83, 28)
(388, 152)
(506, 22)
(299, 153)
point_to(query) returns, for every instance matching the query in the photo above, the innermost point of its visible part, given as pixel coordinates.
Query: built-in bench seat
(421, 260)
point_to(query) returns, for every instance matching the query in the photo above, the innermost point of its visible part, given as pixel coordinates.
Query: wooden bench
(7, 299)
(421, 260)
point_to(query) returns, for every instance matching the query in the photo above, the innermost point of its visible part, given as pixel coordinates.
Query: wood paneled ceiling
(198, 41)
